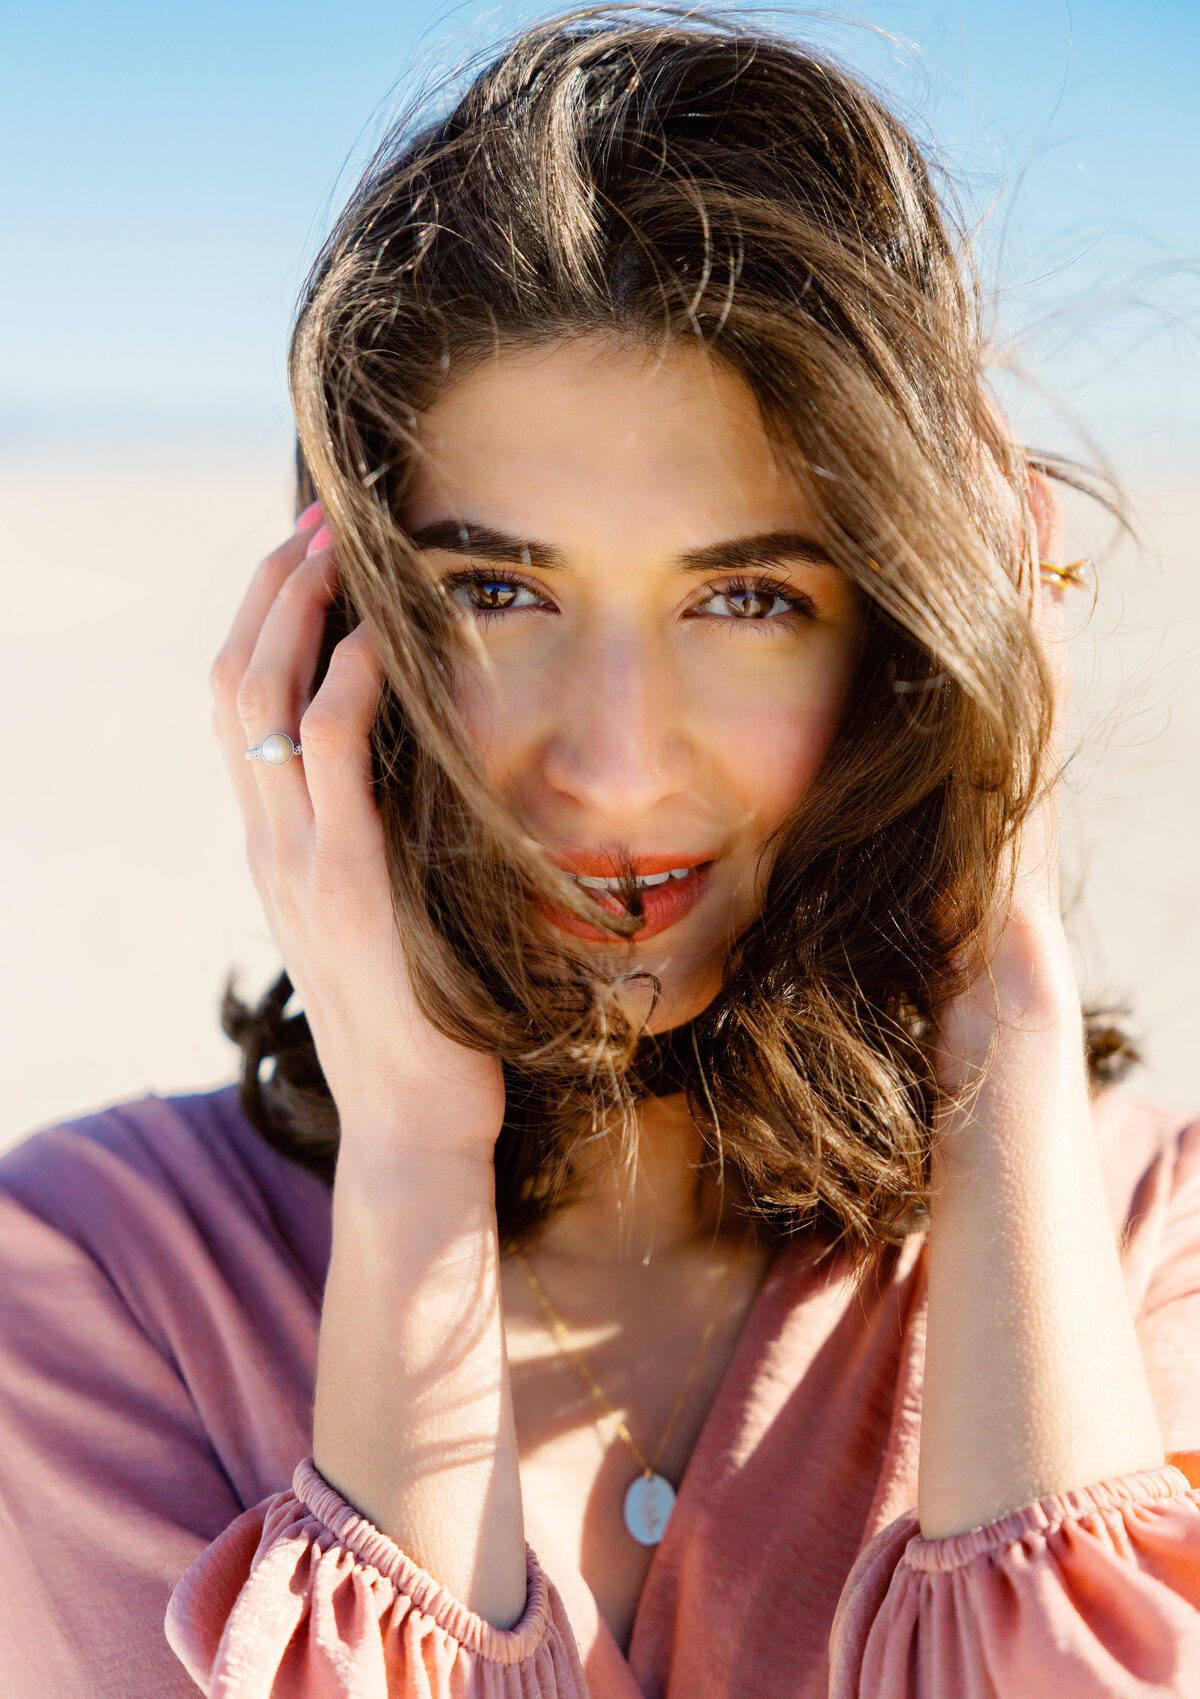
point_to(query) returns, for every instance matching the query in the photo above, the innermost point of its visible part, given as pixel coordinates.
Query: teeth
(646, 879)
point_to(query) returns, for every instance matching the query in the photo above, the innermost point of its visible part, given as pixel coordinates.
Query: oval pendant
(648, 1505)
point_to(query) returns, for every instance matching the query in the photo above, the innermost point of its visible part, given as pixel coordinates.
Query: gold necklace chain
(559, 1329)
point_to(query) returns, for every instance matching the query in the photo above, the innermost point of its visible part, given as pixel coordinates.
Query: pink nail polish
(310, 516)
(320, 540)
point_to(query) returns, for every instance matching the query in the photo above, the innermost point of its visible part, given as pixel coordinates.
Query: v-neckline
(786, 1265)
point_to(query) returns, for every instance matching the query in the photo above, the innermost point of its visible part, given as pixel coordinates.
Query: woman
(672, 649)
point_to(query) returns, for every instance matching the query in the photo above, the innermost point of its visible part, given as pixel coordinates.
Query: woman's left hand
(1026, 953)
(1034, 1383)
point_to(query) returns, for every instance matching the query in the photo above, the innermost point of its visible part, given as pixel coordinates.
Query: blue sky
(168, 170)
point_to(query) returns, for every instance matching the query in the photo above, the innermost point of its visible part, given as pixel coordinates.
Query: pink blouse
(161, 1271)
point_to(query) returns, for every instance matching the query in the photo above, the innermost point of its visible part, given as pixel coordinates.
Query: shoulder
(1142, 1142)
(161, 1270)
(191, 1149)
(164, 1184)
(1150, 1157)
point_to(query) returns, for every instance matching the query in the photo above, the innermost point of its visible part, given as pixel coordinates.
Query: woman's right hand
(414, 1258)
(316, 851)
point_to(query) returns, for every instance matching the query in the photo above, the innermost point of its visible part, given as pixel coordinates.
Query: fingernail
(309, 517)
(320, 540)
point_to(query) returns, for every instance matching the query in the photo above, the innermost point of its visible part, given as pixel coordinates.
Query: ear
(1046, 509)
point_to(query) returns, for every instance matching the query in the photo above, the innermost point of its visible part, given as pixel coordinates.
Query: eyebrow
(767, 548)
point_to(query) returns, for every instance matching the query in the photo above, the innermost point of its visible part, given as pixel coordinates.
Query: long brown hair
(658, 176)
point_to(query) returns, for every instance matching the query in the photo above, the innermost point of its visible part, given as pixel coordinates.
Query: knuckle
(355, 674)
(356, 650)
(251, 699)
(298, 586)
(277, 557)
(224, 673)
(320, 728)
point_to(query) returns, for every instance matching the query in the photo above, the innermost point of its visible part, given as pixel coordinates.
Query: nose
(619, 745)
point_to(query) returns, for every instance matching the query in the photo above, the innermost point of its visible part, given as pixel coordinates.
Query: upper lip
(596, 865)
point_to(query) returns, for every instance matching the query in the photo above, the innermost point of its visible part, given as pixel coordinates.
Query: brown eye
(493, 593)
(751, 604)
(484, 594)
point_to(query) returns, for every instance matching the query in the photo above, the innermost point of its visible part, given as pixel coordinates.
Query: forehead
(595, 435)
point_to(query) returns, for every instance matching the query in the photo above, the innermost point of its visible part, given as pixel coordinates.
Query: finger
(336, 733)
(277, 683)
(245, 785)
(234, 657)
(229, 668)
(278, 679)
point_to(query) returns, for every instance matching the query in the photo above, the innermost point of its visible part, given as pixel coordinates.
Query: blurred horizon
(169, 174)
(172, 171)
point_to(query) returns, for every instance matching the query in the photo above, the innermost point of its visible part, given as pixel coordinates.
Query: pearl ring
(276, 749)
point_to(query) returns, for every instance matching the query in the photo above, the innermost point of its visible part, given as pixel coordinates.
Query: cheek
(771, 758)
(768, 738)
(500, 710)
(476, 704)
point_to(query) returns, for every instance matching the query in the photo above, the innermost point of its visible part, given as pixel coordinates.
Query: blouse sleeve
(302, 1597)
(108, 1485)
(1168, 1311)
(1093, 1594)
(112, 1487)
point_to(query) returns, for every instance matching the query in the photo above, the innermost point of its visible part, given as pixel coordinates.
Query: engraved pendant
(648, 1505)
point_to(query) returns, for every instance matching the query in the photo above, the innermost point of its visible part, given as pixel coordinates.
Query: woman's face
(664, 651)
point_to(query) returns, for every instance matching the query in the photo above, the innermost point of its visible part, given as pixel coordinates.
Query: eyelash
(761, 584)
(764, 584)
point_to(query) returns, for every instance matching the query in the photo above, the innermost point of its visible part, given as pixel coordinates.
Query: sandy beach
(126, 898)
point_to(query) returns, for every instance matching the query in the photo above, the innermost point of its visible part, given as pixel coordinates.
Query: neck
(665, 1205)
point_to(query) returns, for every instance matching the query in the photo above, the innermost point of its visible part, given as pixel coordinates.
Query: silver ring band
(276, 749)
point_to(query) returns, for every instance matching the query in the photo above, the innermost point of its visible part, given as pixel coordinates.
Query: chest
(654, 1378)
(575, 1489)
(810, 1446)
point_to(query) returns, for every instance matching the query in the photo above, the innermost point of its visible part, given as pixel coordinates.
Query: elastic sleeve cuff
(1045, 1516)
(346, 1527)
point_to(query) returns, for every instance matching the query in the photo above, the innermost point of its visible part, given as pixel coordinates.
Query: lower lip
(662, 906)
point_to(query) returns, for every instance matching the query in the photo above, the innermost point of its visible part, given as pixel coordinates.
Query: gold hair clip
(1069, 572)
